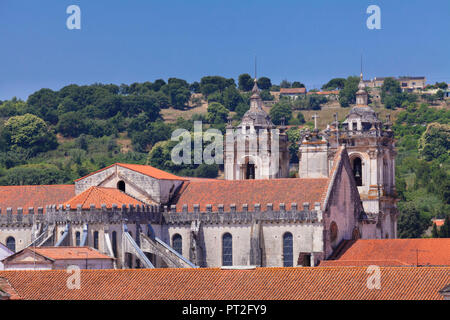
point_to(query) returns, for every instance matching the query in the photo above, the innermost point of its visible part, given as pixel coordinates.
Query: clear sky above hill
(136, 41)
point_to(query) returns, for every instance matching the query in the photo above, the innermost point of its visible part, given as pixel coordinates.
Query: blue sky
(125, 41)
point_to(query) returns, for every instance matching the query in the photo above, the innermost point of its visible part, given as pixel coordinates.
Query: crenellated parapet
(243, 215)
(21, 218)
(60, 214)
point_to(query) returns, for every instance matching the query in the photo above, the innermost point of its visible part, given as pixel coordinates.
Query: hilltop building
(145, 217)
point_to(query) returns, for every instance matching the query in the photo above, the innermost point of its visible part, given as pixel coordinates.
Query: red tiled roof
(99, 195)
(293, 90)
(344, 283)
(439, 222)
(392, 252)
(7, 289)
(361, 263)
(250, 192)
(320, 93)
(69, 253)
(144, 169)
(33, 196)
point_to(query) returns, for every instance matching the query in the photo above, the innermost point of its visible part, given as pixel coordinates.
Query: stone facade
(347, 173)
(256, 149)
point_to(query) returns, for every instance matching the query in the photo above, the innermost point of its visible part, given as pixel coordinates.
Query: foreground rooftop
(321, 283)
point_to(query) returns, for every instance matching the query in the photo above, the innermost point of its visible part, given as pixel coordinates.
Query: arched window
(96, 239)
(288, 250)
(177, 243)
(227, 250)
(114, 243)
(357, 171)
(121, 185)
(77, 238)
(333, 231)
(11, 244)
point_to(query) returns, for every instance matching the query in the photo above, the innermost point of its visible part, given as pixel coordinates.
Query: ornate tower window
(288, 254)
(227, 250)
(177, 243)
(357, 171)
(250, 171)
(11, 244)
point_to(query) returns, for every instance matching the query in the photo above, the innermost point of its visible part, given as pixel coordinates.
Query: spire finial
(256, 69)
(361, 66)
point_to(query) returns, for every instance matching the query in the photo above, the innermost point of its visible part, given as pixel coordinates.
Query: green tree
(264, 83)
(71, 125)
(245, 82)
(315, 101)
(333, 84)
(44, 103)
(217, 113)
(231, 98)
(241, 109)
(411, 223)
(279, 111)
(29, 132)
(435, 141)
(297, 84)
(36, 174)
(294, 139)
(347, 95)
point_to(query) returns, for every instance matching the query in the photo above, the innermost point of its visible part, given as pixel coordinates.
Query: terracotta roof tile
(250, 192)
(70, 253)
(99, 196)
(144, 169)
(7, 290)
(328, 283)
(292, 90)
(33, 196)
(392, 252)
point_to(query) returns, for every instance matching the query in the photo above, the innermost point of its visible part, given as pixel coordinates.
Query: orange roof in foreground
(99, 195)
(393, 252)
(7, 289)
(344, 283)
(70, 253)
(33, 196)
(249, 192)
(144, 169)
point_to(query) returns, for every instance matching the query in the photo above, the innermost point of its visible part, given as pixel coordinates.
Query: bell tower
(256, 149)
(371, 148)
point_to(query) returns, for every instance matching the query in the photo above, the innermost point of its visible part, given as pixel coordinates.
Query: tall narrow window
(227, 250)
(11, 244)
(96, 239)
(357, 171)
(288, 250)
(114, 243)
(177, 243)
(77, 238)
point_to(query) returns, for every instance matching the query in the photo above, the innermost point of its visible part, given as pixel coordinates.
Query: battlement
(63, 214)
(243, 215)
